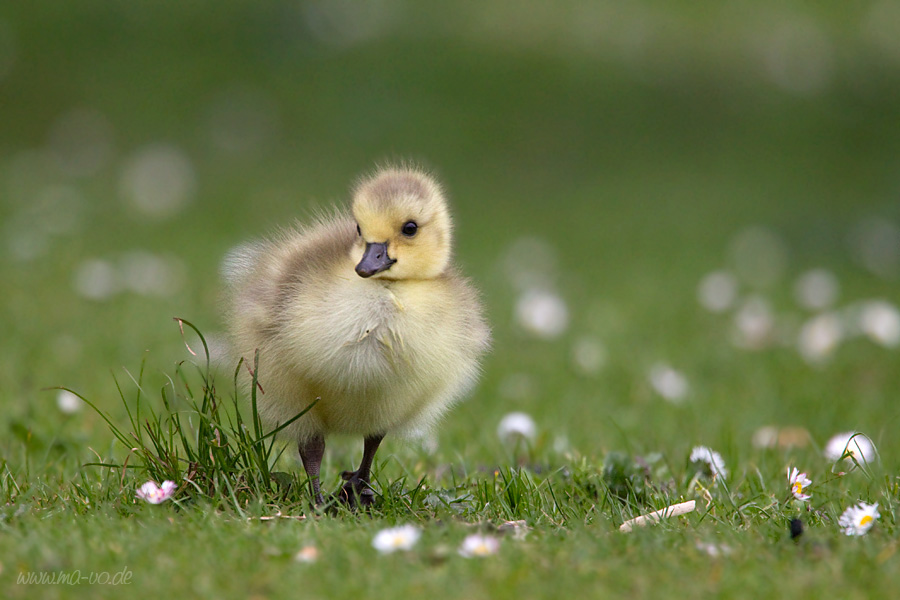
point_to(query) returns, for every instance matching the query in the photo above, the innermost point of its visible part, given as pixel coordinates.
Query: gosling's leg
(357, 485)
(311, 453)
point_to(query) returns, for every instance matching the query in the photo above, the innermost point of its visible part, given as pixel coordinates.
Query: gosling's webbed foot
(356, 491)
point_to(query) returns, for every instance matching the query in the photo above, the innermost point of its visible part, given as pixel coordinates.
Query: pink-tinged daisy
(156, 494)
(799, 482)
(859, 519)
(479, 546)
(390, 540)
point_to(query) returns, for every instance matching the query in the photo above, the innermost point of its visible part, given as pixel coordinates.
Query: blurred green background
(609, 154)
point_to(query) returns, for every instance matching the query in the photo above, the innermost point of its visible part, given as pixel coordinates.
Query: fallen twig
(654, 517)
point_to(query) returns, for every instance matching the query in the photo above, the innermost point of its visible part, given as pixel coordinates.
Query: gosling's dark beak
(374, 260)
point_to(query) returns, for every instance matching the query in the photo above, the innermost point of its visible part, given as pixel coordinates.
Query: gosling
(365, 312)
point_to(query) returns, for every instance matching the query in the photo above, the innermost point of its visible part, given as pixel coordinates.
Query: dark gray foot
(356, 491)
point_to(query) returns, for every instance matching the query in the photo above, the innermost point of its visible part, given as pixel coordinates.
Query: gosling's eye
(409, 228)
(358, 230)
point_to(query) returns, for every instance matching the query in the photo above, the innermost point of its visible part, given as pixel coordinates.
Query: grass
(637, 165)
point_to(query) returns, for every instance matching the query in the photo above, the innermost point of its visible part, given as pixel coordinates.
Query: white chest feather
(351, 338)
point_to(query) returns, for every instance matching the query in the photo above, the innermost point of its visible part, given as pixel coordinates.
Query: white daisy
(714, 464)
(156, 494)
(859, 519)
(517, 425)
(856, 445)
(798, 482)
(390, 540)
(479, 546)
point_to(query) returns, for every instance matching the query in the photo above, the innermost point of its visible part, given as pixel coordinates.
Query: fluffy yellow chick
(364, 311)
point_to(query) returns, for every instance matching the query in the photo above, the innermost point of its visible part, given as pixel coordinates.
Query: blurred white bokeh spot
(881, 28)
(797, 54)
(820, 336)
(158, 181)
(96, 279)
(149, 274)
(880, 321)
(770, 436)
(875, 244)
(588, 355)
(816, 289)
(754, 324)
(67, 402)
(668, 383)
(515, 426)
(542, 313)
(717, 291)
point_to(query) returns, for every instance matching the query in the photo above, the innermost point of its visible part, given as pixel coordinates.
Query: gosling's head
(403, 225)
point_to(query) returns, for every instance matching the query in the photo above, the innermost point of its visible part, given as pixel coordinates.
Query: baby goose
(365, 312)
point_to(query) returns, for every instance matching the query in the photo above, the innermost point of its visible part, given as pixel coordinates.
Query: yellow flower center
(865, 520)
(798, 488)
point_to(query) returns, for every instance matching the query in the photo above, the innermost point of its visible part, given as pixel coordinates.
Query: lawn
(601, 162)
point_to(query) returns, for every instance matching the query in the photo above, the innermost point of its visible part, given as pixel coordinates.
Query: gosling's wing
(469, 312)
(264, 278)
